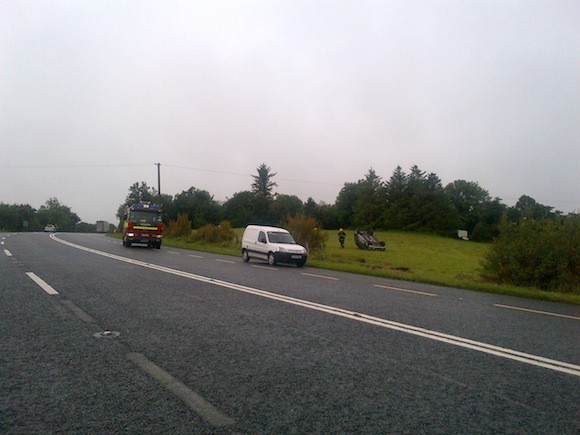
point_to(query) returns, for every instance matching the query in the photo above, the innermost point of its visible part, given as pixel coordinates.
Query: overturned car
(366, 240)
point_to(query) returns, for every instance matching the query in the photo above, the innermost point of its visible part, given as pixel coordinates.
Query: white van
(273, 244)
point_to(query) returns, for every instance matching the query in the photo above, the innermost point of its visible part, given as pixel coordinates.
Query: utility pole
(159, 181)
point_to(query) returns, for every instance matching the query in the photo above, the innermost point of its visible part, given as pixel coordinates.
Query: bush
(537, 253)
(180, 227)
(221, 234)
(306, 231)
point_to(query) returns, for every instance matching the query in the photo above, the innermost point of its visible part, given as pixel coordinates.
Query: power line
(109, 165)
(249, 175)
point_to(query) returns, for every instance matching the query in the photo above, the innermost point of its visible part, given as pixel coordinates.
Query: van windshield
(279, 237)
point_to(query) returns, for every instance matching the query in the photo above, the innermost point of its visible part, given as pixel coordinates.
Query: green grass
(408, 256)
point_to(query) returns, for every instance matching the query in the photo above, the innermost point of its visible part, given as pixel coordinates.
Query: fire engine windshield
(145, 217)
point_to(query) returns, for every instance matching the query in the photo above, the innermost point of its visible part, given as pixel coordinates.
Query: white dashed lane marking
(545, 313)
(43, 285)
(405, 290)
(331, 278)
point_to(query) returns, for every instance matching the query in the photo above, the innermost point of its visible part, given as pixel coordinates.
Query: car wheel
(245, 256)
(271, 259)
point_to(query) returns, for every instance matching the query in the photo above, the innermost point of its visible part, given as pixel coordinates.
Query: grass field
(408, 256)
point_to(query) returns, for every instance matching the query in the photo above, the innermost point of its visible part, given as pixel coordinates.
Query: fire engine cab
(143, 224)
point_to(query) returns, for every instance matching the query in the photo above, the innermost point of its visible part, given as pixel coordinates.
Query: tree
(262, 190)
(490, 215)
(306, 231)
(53, 212)
(395, 216)
(469, 201)
(140, 193)
(417, 202)
(263, 184)
(541, 253)
(326, 214)
(137, 193)
(18, 218)
(180, 227)
(528, 207)
(345, 204)
(239, 209)
(370, 201)
(285, 205)
(198, 205)
(310, 207)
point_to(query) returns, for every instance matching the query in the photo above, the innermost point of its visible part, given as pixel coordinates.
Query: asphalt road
(101, 338)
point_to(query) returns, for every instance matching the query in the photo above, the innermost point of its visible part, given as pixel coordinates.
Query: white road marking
(225, 261)
(2, 242)
(466, 343)
(331, 278)
(265, 267)
(193, 400)
(78, 311)
(8, 253)
(405, 290)
(195, 256)
(47, 288)
(546, 313)
(173, 252)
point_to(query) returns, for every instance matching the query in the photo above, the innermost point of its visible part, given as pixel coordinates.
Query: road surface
(102, 338)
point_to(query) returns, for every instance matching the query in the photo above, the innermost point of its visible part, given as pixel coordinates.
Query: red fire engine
(143, 224)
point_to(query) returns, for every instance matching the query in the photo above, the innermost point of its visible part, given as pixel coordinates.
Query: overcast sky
(94, 93)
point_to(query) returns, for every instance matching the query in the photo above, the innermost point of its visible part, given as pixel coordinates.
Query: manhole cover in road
(107, 334)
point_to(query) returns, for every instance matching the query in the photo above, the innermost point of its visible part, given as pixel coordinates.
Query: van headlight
(280, 249)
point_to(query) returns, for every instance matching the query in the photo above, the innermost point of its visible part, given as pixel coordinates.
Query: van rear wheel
(271, 259)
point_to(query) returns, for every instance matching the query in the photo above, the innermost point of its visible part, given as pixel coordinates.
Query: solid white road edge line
(47, 288)
(535, 360)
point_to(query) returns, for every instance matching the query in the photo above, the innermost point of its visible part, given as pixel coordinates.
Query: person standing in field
(341, 237)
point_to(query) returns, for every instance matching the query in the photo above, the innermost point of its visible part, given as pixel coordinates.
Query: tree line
(407, 201)
(534, 245)
(23, 217)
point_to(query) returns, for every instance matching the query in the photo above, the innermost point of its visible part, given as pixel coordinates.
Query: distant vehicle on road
(49, 228)
(102, 227)
(143, 224)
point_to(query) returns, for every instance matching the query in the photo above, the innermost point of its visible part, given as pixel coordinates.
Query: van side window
(262, 237)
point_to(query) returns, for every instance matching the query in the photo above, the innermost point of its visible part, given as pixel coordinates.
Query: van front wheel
(271, 259)
(245, 256)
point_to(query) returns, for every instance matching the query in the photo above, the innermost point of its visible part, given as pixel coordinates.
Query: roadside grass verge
(414, 257)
